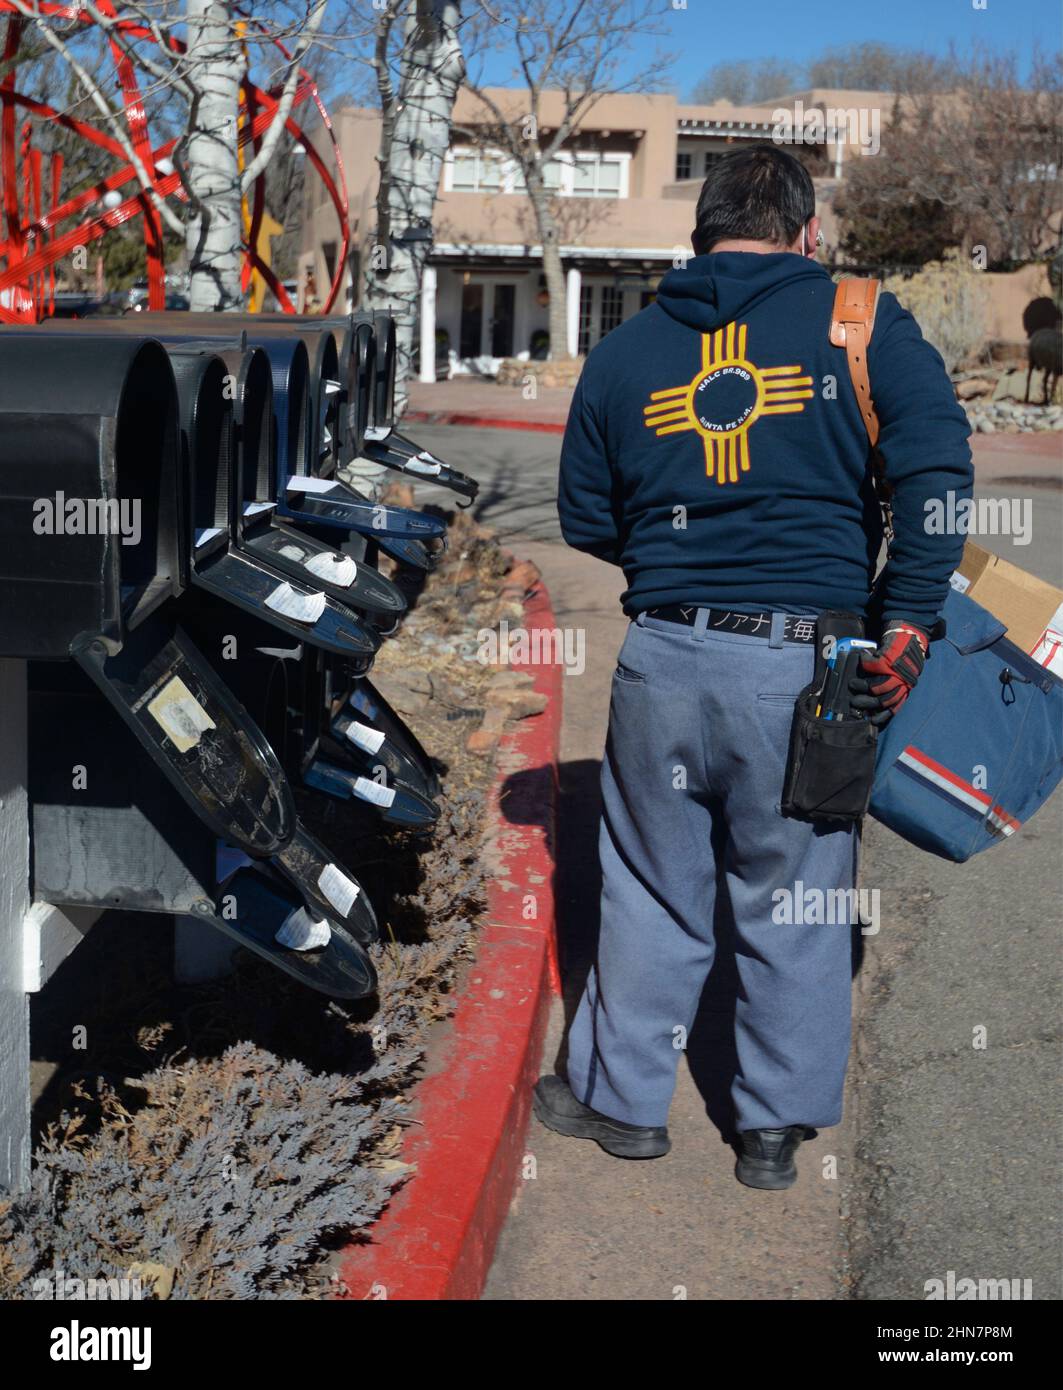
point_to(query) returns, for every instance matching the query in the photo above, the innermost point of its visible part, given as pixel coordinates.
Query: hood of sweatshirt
(721, 287)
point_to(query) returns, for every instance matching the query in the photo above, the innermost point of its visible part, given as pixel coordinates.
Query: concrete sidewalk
(470, 400)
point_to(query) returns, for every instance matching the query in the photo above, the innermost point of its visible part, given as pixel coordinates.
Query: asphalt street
(946, 1159)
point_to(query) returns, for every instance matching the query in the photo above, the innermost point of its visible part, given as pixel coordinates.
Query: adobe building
(627, 184)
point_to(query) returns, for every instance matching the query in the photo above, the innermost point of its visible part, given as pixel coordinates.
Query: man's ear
(812, 227)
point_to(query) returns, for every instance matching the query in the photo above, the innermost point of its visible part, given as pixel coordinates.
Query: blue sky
(709, 31)
(712, 31)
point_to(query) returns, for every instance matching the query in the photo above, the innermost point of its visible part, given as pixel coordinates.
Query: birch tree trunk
(414, 142)
(215, 65)
(553, 271)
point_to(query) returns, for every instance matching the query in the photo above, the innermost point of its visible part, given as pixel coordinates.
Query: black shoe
(559, 1110)
(766, 1159)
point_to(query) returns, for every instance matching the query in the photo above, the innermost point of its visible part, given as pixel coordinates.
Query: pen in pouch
(837, 695)
(832, 626)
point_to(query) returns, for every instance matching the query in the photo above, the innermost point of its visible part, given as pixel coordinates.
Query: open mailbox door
(347, 405)
(401, 532)
(285, 547)
(385, 444)
(211, 752)
(227, 433)
(314, 497)
(366, 751)
(259, 456)
(363, 751)
(366, 704)
(328, 502)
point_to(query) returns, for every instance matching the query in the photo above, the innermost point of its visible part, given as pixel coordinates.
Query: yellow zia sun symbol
(724, 425)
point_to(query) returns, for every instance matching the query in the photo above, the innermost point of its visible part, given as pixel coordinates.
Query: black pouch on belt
(831, 762)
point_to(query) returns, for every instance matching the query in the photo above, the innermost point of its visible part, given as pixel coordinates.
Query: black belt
(797, 628)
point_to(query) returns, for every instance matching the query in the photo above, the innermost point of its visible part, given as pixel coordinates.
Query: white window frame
(593, 289)
(481, 156)
(600, 158)
(566, 159)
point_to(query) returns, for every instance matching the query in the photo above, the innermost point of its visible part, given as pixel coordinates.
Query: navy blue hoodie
(715, 449)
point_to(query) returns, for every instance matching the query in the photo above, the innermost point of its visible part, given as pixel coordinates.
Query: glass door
(472, 318)
(503, 313)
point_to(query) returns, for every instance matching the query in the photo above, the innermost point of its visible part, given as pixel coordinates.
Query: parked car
(173, 301)
(70, 304)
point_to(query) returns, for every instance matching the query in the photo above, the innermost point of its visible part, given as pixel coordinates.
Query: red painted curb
(437, 1237)
(454, 417)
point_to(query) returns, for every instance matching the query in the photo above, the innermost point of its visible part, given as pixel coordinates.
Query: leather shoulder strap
(851, 325)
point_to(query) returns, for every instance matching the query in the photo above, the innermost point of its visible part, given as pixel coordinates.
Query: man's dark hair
(758, 194)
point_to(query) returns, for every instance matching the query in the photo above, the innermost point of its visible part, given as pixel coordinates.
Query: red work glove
(890, 672)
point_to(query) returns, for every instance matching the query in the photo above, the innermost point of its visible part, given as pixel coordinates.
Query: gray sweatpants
(692, 778)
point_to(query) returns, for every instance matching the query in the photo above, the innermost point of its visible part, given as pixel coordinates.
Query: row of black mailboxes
(197, 596)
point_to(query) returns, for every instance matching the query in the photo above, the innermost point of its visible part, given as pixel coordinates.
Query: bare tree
(205, 74)
(869, 66)
(977, 165)
(880, 67)
(744, 82)
(418, 66)
(990, 149)
(570, 54)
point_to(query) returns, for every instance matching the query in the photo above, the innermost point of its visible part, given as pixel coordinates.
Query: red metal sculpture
(31, 241)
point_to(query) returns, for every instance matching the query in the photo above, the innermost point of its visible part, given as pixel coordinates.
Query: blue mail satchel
(977, 747)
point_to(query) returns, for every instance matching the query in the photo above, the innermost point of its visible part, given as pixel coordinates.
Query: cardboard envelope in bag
(1031, 610)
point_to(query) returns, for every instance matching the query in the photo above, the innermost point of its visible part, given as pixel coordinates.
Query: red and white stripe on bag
(916, 763)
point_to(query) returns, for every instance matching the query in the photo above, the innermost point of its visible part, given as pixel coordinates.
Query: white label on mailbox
(338, 889)
(363, 736)
(372, 791)
(301, 932)
(305, 483)
(333, 568)
(425, 466)
(304, 608)
(180, 715)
